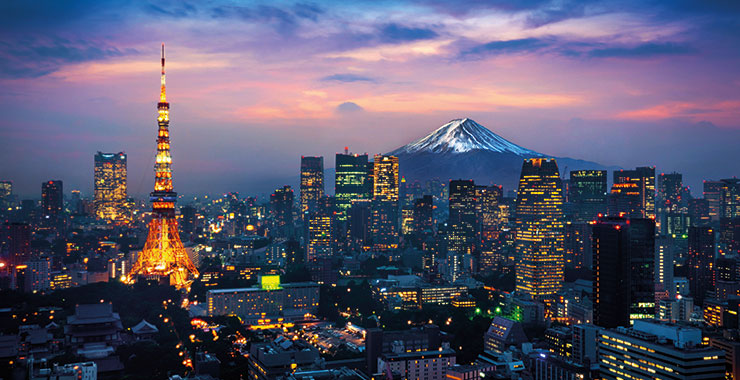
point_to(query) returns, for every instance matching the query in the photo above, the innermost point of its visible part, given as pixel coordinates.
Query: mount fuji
(465, 149)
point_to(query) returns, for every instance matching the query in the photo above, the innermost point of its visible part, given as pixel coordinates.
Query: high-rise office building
(52, 204)
(623, 270)
(611, 279)
(587, 194)
(359, 222)
(488, 227)
(700, 262)
(423, 217)
(644, 178)
(664, 262)
(670, 187)
(625, 200)
(540, 229)
(729, 198)
(17, 241)
(281, 202)
(699, 212)
(385, 227)
(642, 268)
(110, 186)
(487, 203)
(320, 237)
(461, 229)
(351, 181)
(578, 245)
(312, 183)
(711, 192)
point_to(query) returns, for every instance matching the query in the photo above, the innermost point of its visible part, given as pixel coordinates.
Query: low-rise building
(270, 303)
(503, 333)
(653, 349)
(430, 364)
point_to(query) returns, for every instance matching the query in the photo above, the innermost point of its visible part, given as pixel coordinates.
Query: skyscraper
(644, 178)
(461, 229)
(320, 237)
(712, 190)
(164, 254)
(110, 186)
(312, 183)
(624, 199)
(623, 270)
(587, 194)
(351, 181)
(700, 262)
(18, 242)
(281, 202)
(539, 229)
(52, 204)
(423, 217)
(642, 268)
(670, 187)
(385, 210)
(729, 198)
(699, 212)
(487, 203)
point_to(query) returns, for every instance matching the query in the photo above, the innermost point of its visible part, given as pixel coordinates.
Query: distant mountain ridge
(462, 148)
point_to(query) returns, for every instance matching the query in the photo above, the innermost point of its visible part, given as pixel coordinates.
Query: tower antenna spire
(163, 94)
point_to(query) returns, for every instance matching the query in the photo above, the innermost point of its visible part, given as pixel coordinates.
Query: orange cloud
(717, 112)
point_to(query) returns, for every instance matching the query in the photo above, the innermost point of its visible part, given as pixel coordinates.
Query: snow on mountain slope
(464, 135)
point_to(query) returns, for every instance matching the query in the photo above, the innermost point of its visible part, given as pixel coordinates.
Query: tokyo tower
(163, 254)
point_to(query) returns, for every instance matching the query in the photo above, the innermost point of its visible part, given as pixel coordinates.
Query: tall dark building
(110, 186)
(700, 262)
(670, 187)
(711, 192)
(623, 270)
(587, 194)
(625, 200)
(359, 220)
(462, 223)
(312, 183)
(188, 221)
(540, 229)
(487, 210)
(699, 212)
(385, 207)
(52, 204)
(281, 202)
(351, 181)
(488, 227)
(578, 245)
(423, 217)
(17, 241)
(644, 178)
(642, 268)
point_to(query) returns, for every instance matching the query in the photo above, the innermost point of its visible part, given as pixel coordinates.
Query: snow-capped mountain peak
(464, 135)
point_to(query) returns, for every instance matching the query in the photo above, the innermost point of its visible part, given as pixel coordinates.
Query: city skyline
(653, 85)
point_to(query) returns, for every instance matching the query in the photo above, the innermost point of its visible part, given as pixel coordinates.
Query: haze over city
(618, 83)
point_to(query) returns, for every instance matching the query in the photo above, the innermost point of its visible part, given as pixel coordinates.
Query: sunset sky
(253, 86)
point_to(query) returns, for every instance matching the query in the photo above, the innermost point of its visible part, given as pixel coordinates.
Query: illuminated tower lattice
(163, 254)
